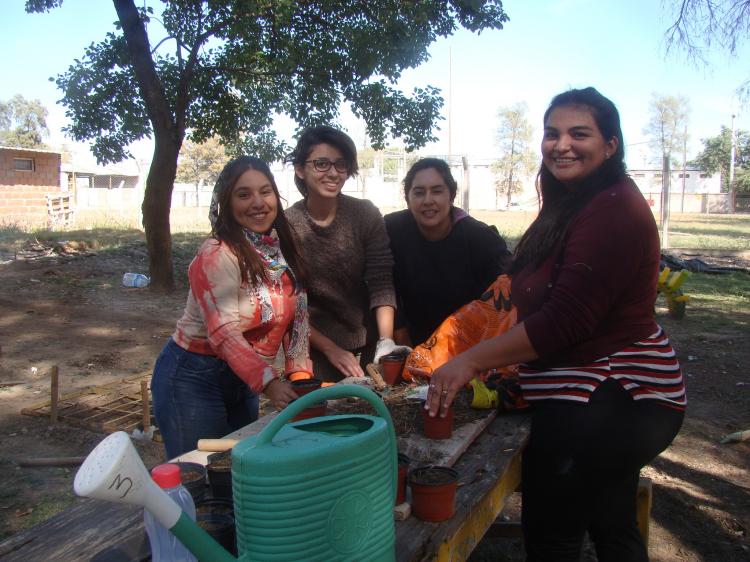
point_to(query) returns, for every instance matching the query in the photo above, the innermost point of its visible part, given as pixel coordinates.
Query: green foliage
(23, 123)
(232, 65)
(716, 155)
(225, 68)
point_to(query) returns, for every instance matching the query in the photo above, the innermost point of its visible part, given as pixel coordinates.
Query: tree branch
(152, 89)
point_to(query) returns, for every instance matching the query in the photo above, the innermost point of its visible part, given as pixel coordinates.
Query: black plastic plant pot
(216, 505)
(220, 477)
(221, 527)
(193, 476)
(306, 386)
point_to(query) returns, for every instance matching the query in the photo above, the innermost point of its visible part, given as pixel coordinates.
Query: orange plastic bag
(489, 316)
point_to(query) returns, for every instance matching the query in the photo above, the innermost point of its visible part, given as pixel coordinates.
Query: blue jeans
(197, 397)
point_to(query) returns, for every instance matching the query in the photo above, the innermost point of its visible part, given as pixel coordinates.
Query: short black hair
(439, 165)
(322, 134)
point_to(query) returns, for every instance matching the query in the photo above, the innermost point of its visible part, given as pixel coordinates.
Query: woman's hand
(345, 361)
(446, 381)
(280, 393)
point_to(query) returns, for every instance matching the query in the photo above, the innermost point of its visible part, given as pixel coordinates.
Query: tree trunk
(156, 206)
(169, 132)
(510, 189)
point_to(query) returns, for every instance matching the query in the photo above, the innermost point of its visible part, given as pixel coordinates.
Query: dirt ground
(66, 307)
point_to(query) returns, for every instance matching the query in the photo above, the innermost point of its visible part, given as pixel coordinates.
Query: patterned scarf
(269, 250)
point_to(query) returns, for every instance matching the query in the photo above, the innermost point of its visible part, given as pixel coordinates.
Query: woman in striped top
(602, 374)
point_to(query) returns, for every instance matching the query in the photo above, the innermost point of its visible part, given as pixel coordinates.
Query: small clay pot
(220, 477)
(433, 492)
(438, 427)
(193, 476)
(391, 367)
(306, 386)
(403, 470)
(314, 411)
(220, 526)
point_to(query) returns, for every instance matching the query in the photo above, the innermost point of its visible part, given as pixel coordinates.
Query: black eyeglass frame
(324, 164)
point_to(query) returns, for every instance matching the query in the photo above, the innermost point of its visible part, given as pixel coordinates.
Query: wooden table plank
(489, 471)
(105, 532)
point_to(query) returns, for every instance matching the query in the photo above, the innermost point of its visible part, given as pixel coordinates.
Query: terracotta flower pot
(314, 411)
(403, 470)
(306, 386)
(391, 367)
(438, 427)
(433, 492)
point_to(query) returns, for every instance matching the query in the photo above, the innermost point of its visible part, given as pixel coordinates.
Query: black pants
(581, 470)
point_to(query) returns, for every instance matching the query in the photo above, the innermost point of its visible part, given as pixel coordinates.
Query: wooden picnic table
(489, 471)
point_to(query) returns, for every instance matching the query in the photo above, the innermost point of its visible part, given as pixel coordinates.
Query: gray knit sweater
(349, 270)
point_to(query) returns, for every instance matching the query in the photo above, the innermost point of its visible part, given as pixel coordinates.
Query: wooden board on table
(443, 452)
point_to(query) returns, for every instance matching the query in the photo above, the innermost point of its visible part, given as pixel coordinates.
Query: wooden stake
(54, 393)
(52, 461)
(146, 408)
(372, 370)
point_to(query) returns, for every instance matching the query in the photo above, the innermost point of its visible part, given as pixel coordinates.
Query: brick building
(27, 176)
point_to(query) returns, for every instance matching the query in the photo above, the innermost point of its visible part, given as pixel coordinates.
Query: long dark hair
(440, 166)
(559, 203)
(322, 134)
(230, 232)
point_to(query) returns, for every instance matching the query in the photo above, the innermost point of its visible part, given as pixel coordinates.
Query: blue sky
(547, 47)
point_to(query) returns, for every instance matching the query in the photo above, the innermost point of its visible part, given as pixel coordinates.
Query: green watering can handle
(328, 393)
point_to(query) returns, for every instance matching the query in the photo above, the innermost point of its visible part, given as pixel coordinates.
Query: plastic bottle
(135, 280)
(165, 547)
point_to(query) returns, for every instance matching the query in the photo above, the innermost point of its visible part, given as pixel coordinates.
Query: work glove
(386, 346)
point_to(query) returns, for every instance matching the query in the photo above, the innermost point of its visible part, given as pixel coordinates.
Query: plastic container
(165, 547)
(391, 367)
(433, 492)
(137, 280)
(438, 427)
(193, 476)
(306, 386)
(403, 473)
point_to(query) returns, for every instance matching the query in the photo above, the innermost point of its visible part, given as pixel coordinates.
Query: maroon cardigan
(597, 295)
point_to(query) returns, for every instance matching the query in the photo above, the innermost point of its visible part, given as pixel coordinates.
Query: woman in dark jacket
(443, 258)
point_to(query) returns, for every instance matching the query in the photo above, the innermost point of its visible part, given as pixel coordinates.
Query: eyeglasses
(324, 164)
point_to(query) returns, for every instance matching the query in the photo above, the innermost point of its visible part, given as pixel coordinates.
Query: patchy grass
(719, 303)
(724, 232)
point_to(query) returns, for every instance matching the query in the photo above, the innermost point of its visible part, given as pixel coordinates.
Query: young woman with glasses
(345, 247)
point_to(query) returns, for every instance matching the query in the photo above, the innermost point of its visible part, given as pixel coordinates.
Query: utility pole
(665, 181)
(732, 192)
(465, 197)
(450, 101)
(684, 169)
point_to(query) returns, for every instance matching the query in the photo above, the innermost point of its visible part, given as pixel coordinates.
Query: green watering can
(317, 489)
